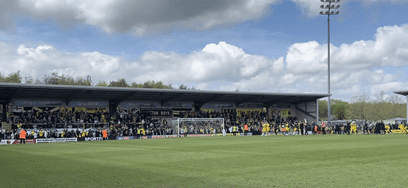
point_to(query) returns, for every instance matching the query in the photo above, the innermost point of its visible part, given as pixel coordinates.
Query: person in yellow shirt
(401, 127)
(287, 128)
(387, 129)
(41, 133)
(295, 129)
(265, 128)
(353, 127)
(139, 132)
(234, 130)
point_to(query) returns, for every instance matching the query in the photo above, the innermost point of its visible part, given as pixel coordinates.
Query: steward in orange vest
(23, 135)
(105, 134)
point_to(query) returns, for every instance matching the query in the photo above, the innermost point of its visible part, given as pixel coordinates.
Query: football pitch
(252, 161)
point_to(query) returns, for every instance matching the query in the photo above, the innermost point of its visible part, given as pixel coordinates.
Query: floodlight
(329, 12)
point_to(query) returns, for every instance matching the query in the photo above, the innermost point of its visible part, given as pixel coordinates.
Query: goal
(199, 126)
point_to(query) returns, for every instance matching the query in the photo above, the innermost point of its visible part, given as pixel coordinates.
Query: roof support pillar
(113, 106)
(407, 110)
(4, 115)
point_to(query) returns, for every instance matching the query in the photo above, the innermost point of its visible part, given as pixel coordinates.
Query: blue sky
(264, 45)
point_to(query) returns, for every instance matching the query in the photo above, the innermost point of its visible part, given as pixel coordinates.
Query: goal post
(199, 126)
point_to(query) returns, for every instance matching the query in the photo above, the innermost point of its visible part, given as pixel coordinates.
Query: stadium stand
(80, 111)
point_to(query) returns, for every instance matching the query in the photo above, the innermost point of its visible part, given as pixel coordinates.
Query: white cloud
(356, 67)
(387, 87)
(139, 17)
(311, 8)
(142, 17)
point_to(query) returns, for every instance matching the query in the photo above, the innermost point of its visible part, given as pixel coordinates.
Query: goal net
(199, 126)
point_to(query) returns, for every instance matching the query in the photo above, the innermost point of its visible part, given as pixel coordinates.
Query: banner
(247, 134)
(220, 134)
(67, 139)
(31, 141)
(171, 136)
(13, 141)
(286, 112)
(159, 136)
(119, 138)
(93, 138)
(51, 140)
(46, 140)
(397, 131)
(4, 142)
(199, 135)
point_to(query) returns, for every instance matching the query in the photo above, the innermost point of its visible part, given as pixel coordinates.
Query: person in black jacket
(377, 128)
(382, 127)
(301, 127)
(365, 127)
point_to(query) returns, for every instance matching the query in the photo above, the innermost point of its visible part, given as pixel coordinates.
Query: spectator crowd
(79, 124)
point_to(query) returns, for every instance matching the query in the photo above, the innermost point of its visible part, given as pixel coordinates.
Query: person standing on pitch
(23, 135)
(365, 127)
(268, 128)
(276, 128)
(234, 130)
(353, 127)
(306, 128)
(301, 126)
(324, 128)
(105, 134)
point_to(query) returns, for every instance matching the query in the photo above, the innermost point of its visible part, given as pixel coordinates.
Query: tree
(29, 79)
(102, 83)
(182, 86)
(152, 84)
(323, 110)
(339, 109)
(11, 78)
(359, 106)
(120, 83)
(56, 79)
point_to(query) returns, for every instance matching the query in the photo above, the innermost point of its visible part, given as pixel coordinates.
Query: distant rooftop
(405, 93)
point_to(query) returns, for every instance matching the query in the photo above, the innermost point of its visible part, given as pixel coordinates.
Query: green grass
(280, 161)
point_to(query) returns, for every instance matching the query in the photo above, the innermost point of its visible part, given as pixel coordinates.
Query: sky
(246, 45)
